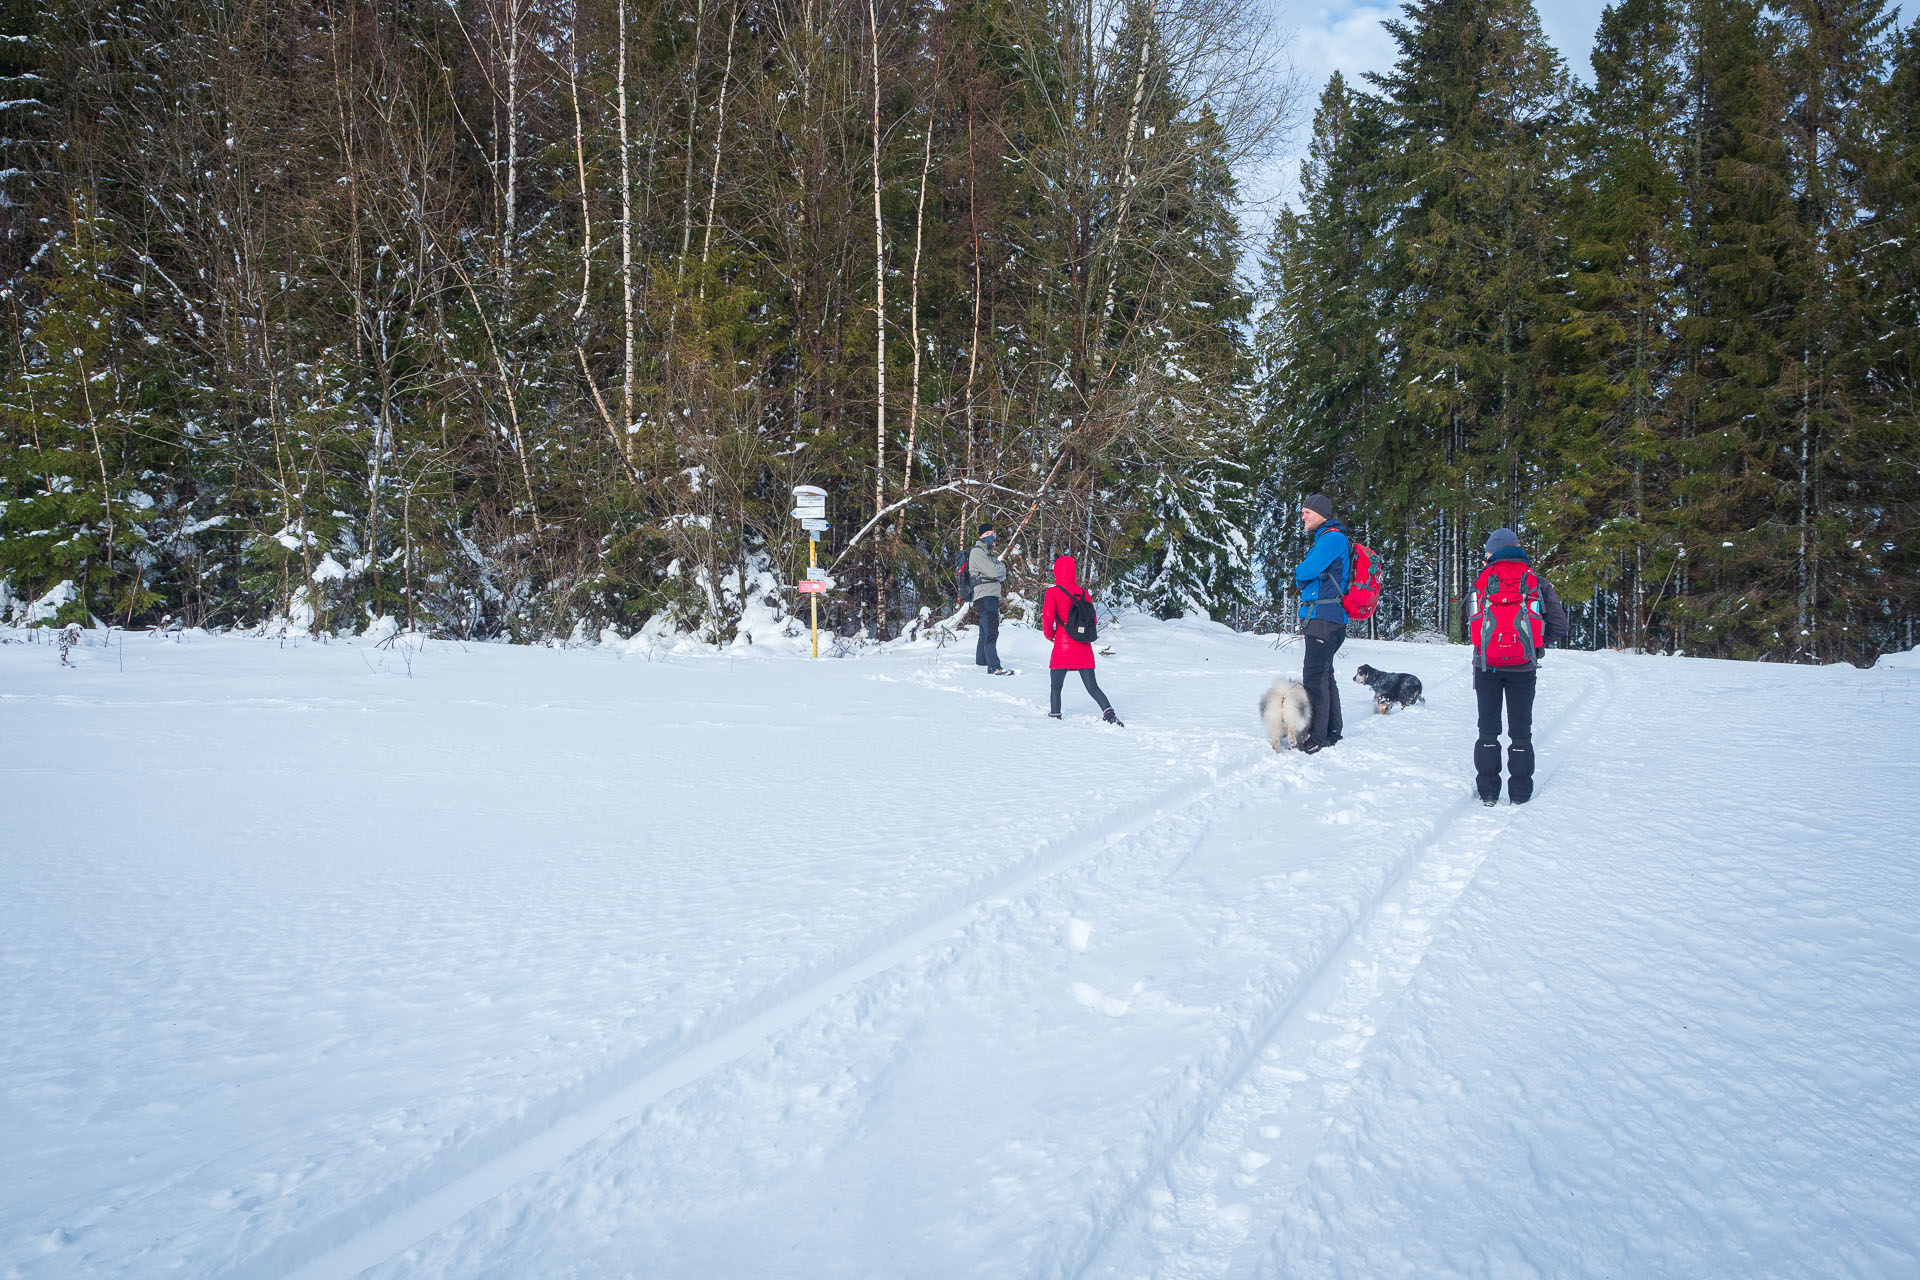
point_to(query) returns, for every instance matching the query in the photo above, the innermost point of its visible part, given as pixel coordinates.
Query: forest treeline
(516, 317)
(501, 317)
(1663, 323)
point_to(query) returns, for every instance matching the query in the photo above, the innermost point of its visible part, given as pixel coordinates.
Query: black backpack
(963, 578)
(1083, 620)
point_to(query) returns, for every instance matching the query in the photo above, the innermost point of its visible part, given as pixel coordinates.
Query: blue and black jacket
(1323, 574)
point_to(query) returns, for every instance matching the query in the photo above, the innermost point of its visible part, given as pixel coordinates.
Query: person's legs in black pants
(1487, 693)
(986, 650)
(1520, 690)
(1336, 723)
(1515, 689)
(1057, 678)
(1323, 639)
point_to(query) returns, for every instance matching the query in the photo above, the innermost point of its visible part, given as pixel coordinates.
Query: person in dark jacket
(1322, 577)
(989, 575)
(1512, 685)
(1069, 654)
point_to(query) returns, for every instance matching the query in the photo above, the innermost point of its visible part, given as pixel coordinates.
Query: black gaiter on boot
(1520, 772)
(1486, 767)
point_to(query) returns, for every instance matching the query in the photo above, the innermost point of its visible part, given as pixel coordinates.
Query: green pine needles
(1660, 323)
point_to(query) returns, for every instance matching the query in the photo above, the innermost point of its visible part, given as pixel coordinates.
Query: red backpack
(1508, 628)
(1364, 583)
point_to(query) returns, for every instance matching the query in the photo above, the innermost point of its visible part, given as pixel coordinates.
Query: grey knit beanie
(1500, 540)
(1318, 502)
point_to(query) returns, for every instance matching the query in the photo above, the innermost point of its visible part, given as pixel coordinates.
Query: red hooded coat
(1068, 654)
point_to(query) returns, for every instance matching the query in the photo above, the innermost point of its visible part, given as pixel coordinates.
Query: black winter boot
(1486, 769)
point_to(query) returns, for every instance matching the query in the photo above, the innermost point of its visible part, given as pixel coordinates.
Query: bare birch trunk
(973, 347)
(99, 454)
(719, 132)
(693, 117)
(406, 543)
(580, 164)
(346, 98)
(513, 156)
(626, 242)
(622, 440)
(879, 312)
(913, 323)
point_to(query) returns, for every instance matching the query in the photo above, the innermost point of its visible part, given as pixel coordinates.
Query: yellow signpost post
(810, 509)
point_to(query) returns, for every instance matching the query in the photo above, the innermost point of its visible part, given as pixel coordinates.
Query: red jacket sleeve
(1048, 618)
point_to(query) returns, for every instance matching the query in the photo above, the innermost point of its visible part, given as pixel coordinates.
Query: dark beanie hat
(1318, 502)
(986, 528)
(1500, 540)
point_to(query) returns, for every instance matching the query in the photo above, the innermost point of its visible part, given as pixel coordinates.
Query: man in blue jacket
(1323, 579)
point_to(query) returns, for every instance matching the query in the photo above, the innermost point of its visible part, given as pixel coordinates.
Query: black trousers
(1515, 689)
(1324, 639)
(1059, 678)
(986, 650)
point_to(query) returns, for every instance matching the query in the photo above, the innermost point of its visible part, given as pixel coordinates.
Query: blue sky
(1346, 36)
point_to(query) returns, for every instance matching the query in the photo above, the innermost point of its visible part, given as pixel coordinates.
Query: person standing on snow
(988, 576)
(1515, 615)
(1323, 579)
(1069, 654)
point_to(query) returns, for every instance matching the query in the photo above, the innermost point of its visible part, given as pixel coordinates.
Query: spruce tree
(1193, 550)
(1477, 108)
(23, 126)
(74, 519)
(1832, 61)
(1735, 517)
(1881, 491)
(1327, 404)
(1612, 353)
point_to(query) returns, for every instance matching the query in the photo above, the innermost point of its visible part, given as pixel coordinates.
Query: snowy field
(319, 960)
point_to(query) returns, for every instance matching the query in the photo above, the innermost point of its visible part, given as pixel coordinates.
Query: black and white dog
(1390, 688)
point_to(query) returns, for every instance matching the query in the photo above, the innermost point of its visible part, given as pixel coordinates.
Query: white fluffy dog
(1286, 713)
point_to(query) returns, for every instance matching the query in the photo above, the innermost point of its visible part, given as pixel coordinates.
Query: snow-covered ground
(322, 959)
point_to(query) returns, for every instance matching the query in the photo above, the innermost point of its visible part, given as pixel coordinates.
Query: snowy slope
(331, 959)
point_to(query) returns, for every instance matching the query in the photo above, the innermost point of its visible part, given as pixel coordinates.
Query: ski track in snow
(434, 1199)
(1233, 1165)
(1311, 1016)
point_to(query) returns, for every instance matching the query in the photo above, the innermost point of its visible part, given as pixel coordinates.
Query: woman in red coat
(1069, 654)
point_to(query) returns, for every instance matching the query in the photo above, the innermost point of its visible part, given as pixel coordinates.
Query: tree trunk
(879, 323)
(913, 322)
(626, 243)
(719, 131)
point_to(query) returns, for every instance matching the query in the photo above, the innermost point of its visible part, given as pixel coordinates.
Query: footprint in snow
(1092, 999)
